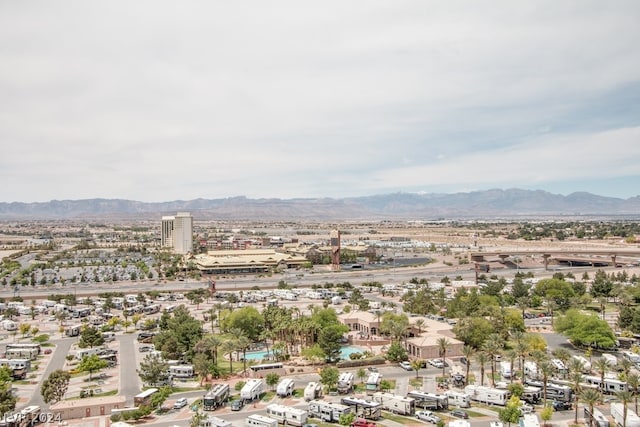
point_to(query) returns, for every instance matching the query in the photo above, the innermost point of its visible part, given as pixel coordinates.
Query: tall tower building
(334, 238)
(177, 232)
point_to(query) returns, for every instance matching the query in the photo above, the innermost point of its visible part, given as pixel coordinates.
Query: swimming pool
(261, 355)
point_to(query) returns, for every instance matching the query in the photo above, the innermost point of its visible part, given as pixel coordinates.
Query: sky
(176, 100)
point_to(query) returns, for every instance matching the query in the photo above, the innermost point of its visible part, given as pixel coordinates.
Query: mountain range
(496, 204)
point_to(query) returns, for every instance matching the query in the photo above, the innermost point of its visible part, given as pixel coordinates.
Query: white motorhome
(252, 389)
(215, 397)
(617, 412)
(597, 418)
(287, 415)
(256, 420)
(327, 411)
(84, 352)
(458, 399)
(345, 382)
(394, 403)
(609, 386)
(312, 391)
(285, 387)
(487, 395)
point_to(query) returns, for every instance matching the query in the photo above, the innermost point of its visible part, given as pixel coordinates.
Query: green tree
(329, 377)
(329, 340)
(396, 352)
(416, 364)
(91, 364)
(361, 374)
(511, 412)
(154, 370)
(346, 419)
(590, 397)
(55, 386)
(90, 337)
(247, 319)
(546, 414)
(272, 379)
(585, 329)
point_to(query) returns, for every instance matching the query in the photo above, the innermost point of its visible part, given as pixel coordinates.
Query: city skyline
(157, 101)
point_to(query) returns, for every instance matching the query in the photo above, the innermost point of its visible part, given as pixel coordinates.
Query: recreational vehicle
(531, 395)
(345, 382)
(394, 403)
(458, 399)
(586, 365)
(181, 371)
(72, 331)
(363, 408)
(256, 420)
(611, 359)
(287, 415)
(373, 382)
(487, 395)
(215, 397)
(214, 422)
(617, 412)
(610, 385)
(252, 389)
(285, 387)
(430, 401)
(529, 420)
(328, 411)
(312, 391)
(505, 369)
(597, 418)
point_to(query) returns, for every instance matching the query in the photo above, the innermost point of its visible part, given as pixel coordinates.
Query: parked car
(145, 348)
(459, 413)
(427, 416)
(561, 406)
(372, 369)
(236, 405)
(406, 366)
(180, 403)
(464, 360)
(437, 363)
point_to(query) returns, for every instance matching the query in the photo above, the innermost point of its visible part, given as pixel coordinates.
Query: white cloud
(157, 100)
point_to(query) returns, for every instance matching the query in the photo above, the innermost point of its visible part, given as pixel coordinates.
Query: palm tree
(625, 397)
(590, 396)
(482, 359)
(416, 364)
(601, 365)
(575, 376)
(228, 347)
(492, 347)
(625, 365)
(511, 357)
(546, 370)
(468, 353)
(633, 384)
(419, 324)
(563, 355)
(443, 343)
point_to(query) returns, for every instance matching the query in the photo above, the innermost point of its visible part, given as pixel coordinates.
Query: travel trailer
(373, 382)
(312, 391)
(345, 382)
(487, 395)
(285, 387)
(328, 411)
(617, 412)
(394, 403)
(287, 415)
(363, 408)
(252, 389)
(430, 401)
(256, 420)
(458, 399)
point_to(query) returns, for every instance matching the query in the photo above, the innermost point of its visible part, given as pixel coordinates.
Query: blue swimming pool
(344, 353)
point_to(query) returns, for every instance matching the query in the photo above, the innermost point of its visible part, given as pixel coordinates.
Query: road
(129, 379)
(57, 361)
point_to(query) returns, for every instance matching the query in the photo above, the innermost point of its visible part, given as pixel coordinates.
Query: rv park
(44, 320)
